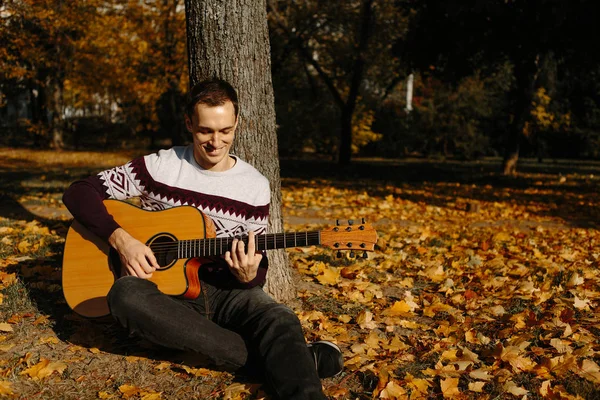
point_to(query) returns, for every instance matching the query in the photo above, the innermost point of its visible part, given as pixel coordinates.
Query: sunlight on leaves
(45, 368)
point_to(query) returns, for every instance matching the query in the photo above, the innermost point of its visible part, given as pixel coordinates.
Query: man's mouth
(211, 149)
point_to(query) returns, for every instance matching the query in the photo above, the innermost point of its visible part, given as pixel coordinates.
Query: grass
(533, 234)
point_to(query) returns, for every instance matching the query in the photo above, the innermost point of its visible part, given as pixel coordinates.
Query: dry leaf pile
(501, 302)
(475, 291)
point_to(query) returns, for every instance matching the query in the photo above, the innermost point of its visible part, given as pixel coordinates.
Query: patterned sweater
(237, 200)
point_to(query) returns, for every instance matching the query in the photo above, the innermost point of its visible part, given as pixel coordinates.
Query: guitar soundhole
(164, 247)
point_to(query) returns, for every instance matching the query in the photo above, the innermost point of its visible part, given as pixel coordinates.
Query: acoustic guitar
(180, 238)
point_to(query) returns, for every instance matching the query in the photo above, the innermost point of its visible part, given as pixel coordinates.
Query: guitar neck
(219, 246)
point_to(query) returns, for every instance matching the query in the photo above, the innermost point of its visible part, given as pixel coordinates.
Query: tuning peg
(339, 254)
(365, 255)
(337, 222)
(362, 221)
(352, 254)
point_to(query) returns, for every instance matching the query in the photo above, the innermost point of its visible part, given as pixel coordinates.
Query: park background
(466, 132)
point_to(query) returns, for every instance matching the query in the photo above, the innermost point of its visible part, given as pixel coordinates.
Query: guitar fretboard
(219, 246)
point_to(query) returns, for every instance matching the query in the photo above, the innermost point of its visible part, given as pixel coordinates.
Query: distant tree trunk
(348, 105)
(39, 113)
(345, 154)
(55, 102)
(229, 39)
(526, 73)
(173, 100)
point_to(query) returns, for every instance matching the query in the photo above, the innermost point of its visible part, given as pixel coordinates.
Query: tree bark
(56, 121)
(526, 74)
(345, 154)
(347, 106)
(229, 39)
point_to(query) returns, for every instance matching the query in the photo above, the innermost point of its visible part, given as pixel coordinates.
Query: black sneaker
(328, 358)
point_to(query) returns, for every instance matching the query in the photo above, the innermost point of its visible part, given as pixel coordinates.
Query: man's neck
(228, 163)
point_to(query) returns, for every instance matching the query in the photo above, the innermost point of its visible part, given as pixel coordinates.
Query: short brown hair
(212, 92)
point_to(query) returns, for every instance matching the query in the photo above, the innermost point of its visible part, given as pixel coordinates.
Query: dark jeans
(231, 328)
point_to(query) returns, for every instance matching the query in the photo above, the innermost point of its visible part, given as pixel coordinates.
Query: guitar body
(91, 266)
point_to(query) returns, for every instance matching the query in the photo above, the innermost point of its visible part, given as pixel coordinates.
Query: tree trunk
(345, 154)
(174, 100)
(526, 73)
(229, 39)
(56, 121)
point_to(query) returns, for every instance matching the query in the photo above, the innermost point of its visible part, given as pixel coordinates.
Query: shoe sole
(335, 347)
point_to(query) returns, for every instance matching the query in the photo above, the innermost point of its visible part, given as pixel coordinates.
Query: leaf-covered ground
(481, 287)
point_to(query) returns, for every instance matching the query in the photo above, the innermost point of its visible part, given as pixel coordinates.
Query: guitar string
(261, 238)
(262, 241)
(199, 245)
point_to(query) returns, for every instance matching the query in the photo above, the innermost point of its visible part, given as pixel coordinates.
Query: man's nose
(215, 138)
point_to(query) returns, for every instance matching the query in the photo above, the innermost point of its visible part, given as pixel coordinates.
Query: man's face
(213, 131)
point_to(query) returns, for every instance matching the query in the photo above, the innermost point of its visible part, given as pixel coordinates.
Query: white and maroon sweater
(237, 200)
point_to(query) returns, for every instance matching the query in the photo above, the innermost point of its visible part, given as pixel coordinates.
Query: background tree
(38, 41)
(534, 38)
(338, 56)
(230, 40)
(98, 72)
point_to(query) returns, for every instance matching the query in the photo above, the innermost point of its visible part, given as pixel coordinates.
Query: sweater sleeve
(84, 200)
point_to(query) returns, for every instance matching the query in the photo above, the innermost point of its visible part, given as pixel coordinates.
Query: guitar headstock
(353, 235)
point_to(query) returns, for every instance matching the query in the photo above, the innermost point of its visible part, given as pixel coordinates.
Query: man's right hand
(137, 259)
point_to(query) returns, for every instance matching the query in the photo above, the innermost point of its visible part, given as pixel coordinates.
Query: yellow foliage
(542, 118)
(362, 134)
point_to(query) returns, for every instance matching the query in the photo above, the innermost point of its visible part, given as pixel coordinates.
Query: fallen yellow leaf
(397, 309)
(162, 365)
(449, 387)
(392, 391)
(419, 385)
(6, 347)
(150, 395)
(49, 339)
(512, 388)
(476, 386)
(24, 246)
(236, 390)
(129, 390)
(365, 320)
(6, 388)
(330, 276)
(480, 374)
(589, 370)
(45, 368)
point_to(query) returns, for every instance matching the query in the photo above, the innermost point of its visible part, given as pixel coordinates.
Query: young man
(233, 324)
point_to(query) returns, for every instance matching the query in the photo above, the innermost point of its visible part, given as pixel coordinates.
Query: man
(233, 324)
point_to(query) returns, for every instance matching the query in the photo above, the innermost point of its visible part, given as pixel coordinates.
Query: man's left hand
(243, 264)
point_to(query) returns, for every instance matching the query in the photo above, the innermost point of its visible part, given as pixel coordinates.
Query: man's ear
(188, 123)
